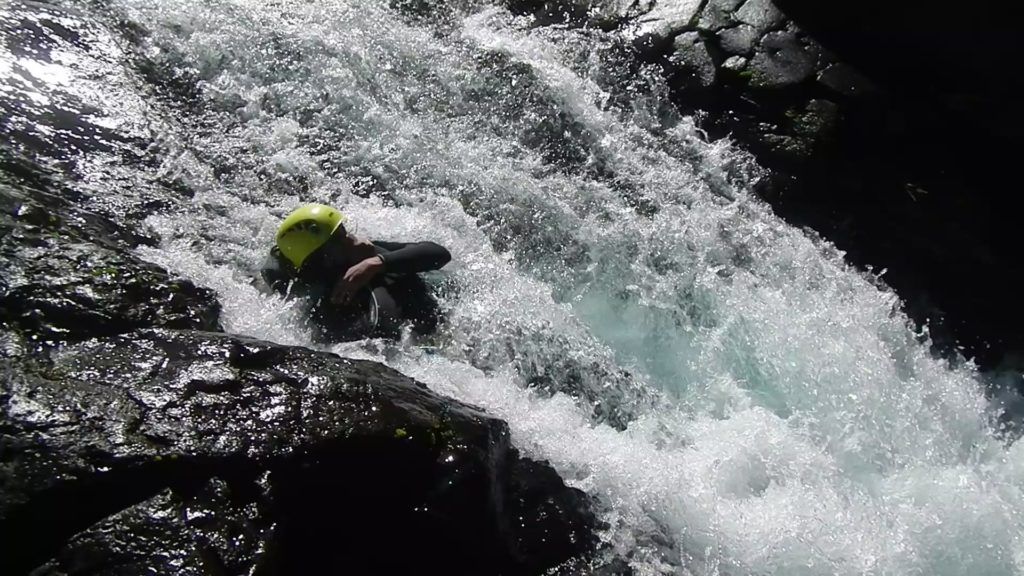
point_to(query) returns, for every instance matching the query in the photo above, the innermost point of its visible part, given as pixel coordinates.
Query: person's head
(312, 233)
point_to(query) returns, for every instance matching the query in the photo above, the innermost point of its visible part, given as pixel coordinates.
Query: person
(354, 288)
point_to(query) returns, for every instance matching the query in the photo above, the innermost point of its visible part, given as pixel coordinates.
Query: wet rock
(603, 14)
(180, 533)
(739, 39)
(923, 102)
(735, 63)
(341, 458)
(24, 180)
(819, 117)
(718, 14)
(762, 15)
(805, 130)
(55, 122)
(847, 81)
(665, 20)
(615, 12)
(691, 61)
(546, 12)
(783, 60)
(918, 45)
(68, 275)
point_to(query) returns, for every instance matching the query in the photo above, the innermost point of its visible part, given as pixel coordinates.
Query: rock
(819, 118)
(918, 45)
(187, 534)
(691, 61)
(925, 102)
(762, 15)
(66, 274)
(735, 63)
(667, 19)
(547, 12)
(718, 14)
(23, 179)
(739, 39)
(940, 113)
(615, 12)
(345, 459)
(845, 80)
(782, 60)
(602, 14)
(805, 132)
(550, 521)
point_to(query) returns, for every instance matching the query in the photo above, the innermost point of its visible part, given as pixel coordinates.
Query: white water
(784, 417)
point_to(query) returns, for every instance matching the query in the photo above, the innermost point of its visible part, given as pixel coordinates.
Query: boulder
(691, 61)
(740, 39)
(783, 59)
(735, 64)
(762, 15)
(161, 448)
(665, 20)
(718, 14)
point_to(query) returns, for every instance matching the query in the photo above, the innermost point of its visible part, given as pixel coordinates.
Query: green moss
(442, 431)
(104, 271)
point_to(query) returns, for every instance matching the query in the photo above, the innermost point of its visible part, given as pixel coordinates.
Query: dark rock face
(199, 534)
(62, 286)
(914, 174)
(743, 62)
(162, 447)
(920, 44)
(783, 60)
(691, 62)
(60, 127)
(65, 274)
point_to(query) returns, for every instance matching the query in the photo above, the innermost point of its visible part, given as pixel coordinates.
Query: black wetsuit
(396, 295)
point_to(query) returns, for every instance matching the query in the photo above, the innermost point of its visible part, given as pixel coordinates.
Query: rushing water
(737, 398)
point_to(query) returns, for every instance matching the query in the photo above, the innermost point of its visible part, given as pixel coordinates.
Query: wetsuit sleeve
(412, 257)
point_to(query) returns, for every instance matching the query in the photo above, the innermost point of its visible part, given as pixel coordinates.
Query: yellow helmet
(306, 229)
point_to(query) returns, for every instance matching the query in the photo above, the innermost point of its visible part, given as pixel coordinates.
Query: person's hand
(355, 278)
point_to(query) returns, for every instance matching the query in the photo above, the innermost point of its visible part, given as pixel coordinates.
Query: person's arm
(393, 258)
(412, 257)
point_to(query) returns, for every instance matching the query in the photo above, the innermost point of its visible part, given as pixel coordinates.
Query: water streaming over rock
(738, 399)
